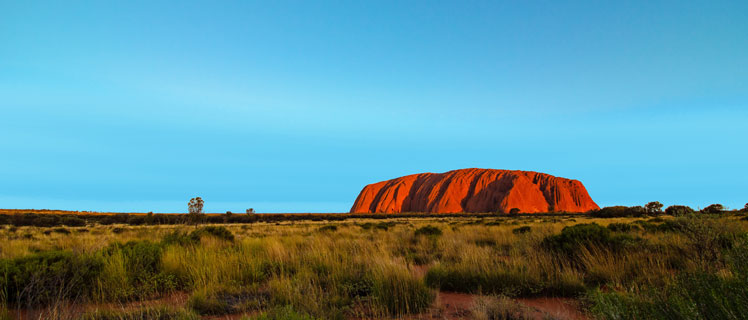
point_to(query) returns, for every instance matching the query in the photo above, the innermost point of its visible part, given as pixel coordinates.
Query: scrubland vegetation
(693, 266)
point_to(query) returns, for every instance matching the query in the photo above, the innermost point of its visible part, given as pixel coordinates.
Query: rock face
(475, 190)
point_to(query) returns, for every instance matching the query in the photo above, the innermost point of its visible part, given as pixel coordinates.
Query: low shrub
(623, 227)
(133, 269)
(208, 304)
(512, 283)
(521, 230)
(384, 225)
(44, 277)
(177, 237)
(428, 231)
(397, 292)
(226, 301)
(73, 222)
(691, 296)
(619, 211)
(328, 228)
(572, 238)
(61, 230)
(219, 232)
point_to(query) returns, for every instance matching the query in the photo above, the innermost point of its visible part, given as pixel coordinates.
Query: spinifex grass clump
(133, 271)
(219, 232)
(575, 237)
(46, 277)
(428, 231)
(521, 230)
(623, 227)
(183, 238)
(328, 228)
(690, 295)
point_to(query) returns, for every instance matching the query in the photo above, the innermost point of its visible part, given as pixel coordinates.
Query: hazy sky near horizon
(294, 106)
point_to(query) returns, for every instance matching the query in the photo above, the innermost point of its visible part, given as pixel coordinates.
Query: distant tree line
(197, 216)
(655, 208)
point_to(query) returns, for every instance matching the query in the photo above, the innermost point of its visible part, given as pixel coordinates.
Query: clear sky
(294, 106)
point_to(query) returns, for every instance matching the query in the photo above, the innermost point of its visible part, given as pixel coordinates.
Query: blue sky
(294, 106)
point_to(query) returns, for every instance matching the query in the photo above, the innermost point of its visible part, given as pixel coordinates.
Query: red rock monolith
(475, 190)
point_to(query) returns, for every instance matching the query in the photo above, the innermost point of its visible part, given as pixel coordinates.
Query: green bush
(142, 257)
(219, 232)
(46, 221)
(73, 222)
(61, 230)
(698, 294)
(679, 210)
(397, 292)
(328, 228)
(45, 277)
(521, 230)
(714, 209)
(142, 263)
(574, 237)
(512, 283)
(384, 225)
(691, 296)
(619, 211)
(623, 227)
(227, 301)
(428, 231)
(207, 304)
(177, 237)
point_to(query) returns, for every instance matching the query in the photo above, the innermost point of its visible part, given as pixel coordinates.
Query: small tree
(679, 210)
(250, 211)
(195, 207)
(714, 208)
(654, 207)
(149, 217)
(745, 209)
(514, 211)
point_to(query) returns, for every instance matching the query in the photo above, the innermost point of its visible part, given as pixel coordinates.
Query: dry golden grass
(368, 267)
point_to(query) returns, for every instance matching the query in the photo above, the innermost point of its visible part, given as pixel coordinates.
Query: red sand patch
(558, 308)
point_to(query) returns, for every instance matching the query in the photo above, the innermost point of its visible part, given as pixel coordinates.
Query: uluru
(475, 190)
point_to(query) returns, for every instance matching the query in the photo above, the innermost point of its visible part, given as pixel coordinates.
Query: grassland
(691, 267)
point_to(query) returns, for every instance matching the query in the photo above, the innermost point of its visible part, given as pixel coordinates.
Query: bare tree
(250, 211)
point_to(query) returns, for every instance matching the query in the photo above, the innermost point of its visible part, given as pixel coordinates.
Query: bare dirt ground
(447, 306)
